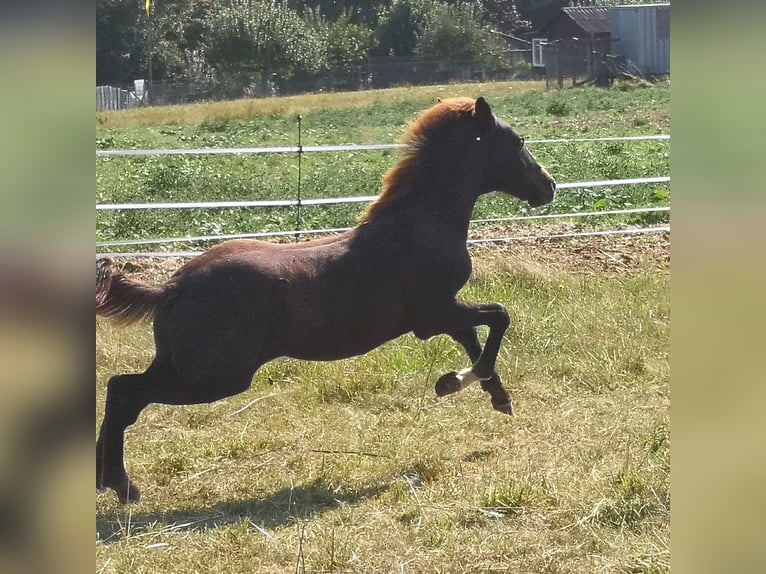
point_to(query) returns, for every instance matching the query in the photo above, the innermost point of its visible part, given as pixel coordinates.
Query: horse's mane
(417, 135)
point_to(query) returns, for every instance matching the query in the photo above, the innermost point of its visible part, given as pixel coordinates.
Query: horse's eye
(521, 142)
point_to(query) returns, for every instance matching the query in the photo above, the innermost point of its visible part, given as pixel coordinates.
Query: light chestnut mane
(417, 135)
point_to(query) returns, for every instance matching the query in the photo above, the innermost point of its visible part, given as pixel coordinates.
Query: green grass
(368, 117)
(356, 466)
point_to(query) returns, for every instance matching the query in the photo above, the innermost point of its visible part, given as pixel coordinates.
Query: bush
(400, 28)
(455, 33)
(262, 37)
(557, 108)
(347, 44)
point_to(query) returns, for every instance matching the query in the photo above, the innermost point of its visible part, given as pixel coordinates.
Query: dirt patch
(587, 254)
(583, 254)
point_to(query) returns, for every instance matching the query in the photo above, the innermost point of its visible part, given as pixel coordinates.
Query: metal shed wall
(642, 34)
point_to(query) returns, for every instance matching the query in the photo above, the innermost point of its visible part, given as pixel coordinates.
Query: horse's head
(506, 162)
(460, 146)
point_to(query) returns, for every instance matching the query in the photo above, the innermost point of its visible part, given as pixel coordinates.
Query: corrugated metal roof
(592, 19)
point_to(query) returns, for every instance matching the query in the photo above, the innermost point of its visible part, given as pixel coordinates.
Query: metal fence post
(298, 222)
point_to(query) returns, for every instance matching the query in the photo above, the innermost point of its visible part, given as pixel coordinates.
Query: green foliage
(229, 46)
(456, 33)
(505, 15)
(401, 27)
(120, 41)
(557, 108)
(233, 44)
(262, 36)
(347, 43)
(359, 11)
(175, 33)
(590, 112)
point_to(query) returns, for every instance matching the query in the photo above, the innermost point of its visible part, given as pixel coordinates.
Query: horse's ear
(483, 112)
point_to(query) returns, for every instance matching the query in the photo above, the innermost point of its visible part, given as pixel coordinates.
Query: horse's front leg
(469, 340)
(459, 321)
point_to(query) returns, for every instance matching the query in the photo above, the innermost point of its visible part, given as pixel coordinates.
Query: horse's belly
(332, 344)
(339, 313)
(328, 337)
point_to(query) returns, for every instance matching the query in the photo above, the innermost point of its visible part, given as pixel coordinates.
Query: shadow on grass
(282, 508)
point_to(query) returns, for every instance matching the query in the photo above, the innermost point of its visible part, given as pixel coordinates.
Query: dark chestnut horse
(243, 303)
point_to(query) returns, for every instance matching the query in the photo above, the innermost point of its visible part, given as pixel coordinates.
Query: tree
(364, 12)
(504, 15)
(401, 27)
(120, 43)
(456, 33)
(257, 37)
(122, 29)
(347, 44)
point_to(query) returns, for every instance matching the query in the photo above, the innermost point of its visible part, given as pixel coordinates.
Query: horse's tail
(122, 299)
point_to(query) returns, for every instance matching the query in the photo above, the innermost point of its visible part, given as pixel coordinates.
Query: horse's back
(232, 300)
(260, 257)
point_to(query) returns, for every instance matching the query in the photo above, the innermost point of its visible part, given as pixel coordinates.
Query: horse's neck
(447, 201)
(437, 193)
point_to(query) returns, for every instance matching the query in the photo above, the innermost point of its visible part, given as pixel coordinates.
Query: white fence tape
(359, 199)
(246, 150)
(333, 200)
(328, 148)
(556, 236)
(266, 234)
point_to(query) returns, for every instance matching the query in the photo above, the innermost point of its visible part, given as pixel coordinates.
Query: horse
(243, 303)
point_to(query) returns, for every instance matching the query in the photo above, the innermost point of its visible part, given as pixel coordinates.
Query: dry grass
(293, 105)
(355, 466)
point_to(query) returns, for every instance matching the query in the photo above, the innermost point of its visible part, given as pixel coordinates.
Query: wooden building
(590, 24)
(572, 42)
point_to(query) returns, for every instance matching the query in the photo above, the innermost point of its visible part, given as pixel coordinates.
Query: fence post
(559, 65)
(300, 157)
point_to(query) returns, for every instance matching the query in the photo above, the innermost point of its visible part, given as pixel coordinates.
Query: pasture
(371, 117)
(356, 466)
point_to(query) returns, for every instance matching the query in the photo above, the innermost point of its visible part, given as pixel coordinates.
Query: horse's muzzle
(544, 195)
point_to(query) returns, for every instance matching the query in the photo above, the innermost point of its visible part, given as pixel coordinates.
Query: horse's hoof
(131, 493)
(504, 407)
(447, 384)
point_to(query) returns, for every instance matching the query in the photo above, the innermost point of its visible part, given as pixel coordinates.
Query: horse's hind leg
(126, 397)
(449, 383)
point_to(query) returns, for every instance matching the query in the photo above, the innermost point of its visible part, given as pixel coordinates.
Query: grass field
(367, 117)
(356, 466)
